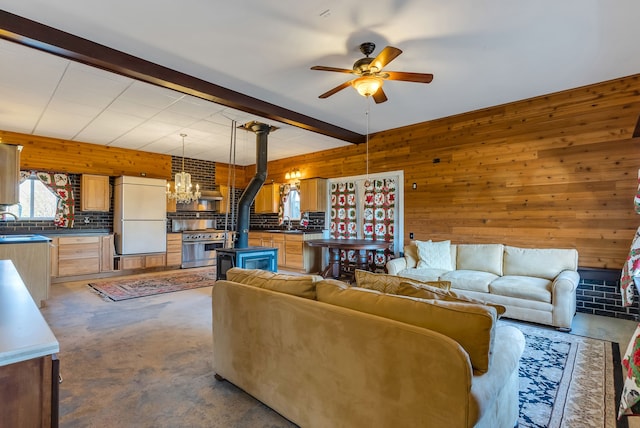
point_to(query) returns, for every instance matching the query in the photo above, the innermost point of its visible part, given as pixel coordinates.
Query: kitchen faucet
(4, 213)
(288, 220)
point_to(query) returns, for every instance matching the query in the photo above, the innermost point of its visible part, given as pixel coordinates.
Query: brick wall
(599, 294)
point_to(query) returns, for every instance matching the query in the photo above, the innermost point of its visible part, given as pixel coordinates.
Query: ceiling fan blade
(379, 96)
(336, 89)
(409, 77)
(323, 68)
(387, 55)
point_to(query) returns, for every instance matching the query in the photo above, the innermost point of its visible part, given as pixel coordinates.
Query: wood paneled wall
(556, 171)
(60, 155)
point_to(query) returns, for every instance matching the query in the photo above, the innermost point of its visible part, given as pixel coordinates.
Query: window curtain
(379, 214)
(343, 215)
(283, 199)
(631, 267)
(60, 185)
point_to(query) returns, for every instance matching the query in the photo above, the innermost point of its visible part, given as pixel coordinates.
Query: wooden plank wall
(74, 157)
(558, 171)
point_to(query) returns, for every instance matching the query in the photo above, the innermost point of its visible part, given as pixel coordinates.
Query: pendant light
(182, 192)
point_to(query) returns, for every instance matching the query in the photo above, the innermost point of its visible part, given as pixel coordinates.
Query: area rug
(568, 380)
(125, 289)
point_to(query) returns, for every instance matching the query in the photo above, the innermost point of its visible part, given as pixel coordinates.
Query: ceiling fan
(370, 75)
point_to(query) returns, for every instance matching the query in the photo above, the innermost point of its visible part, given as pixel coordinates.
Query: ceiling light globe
(367, 85)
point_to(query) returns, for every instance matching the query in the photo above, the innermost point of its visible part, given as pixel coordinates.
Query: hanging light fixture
(367, 85)
(182, 184)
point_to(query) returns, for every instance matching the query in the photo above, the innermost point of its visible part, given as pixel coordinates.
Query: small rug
(124, 289)
(568, 380)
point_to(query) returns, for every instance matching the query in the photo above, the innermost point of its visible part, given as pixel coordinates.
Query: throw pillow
(434, 255)
(411, 254)
(471, 325)
(297, 285)
(424, 291)
(385, 283)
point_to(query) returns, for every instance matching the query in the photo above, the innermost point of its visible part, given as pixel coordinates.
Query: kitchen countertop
(292, 231)
(23, 239)
(24, 333)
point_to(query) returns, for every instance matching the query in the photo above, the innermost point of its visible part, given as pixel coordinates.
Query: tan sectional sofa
(324, 354)
(536, 285)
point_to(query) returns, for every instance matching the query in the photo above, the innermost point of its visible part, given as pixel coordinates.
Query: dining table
(362, 247)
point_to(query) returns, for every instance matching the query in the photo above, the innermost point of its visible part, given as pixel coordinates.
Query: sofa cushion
(473, 280)
(435, 255)
(471, 325)
(480, 257)
(389, 283)
(411, 254)
(522, 287)
(425, 274)
(297, 285)
(539, 262)
(422, 291)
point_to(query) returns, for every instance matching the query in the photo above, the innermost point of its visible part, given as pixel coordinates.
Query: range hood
(210, 195)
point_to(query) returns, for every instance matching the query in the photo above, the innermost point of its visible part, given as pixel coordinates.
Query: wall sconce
(293, 174)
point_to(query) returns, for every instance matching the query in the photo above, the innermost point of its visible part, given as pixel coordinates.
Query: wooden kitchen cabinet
(171, 203)
(255, 239)
(78, 255)
(268, 199)
(107, 252)
(313, 194)
(174, 249)
(278, 241)
(223, 205)
(142, 261)
(32, 261)
(94, 193)
(301, 257)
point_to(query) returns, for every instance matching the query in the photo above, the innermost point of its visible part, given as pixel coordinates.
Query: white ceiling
(482, 53)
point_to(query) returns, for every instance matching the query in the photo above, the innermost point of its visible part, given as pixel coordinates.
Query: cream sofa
(324, 354)
(536, 285)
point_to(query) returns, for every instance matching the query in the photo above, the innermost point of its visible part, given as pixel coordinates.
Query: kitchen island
(29, 369)
(30, 255)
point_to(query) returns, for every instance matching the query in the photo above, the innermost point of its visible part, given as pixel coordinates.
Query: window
(37, 202)
(292, 204)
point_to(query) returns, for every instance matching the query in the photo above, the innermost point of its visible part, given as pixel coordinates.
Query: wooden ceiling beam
(48, 39)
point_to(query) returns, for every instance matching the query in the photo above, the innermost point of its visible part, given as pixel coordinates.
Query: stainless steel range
(200, 240)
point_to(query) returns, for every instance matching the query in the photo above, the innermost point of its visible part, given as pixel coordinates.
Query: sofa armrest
(563, 298)
(396, 265)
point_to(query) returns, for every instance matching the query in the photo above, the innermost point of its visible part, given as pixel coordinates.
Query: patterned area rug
(124, 289)
(568, 380)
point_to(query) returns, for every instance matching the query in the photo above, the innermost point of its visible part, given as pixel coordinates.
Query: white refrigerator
(139, 217)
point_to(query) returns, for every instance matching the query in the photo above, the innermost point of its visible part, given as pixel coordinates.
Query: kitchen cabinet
(172, 205)
(29, 369)
(223, 205)
(79, 255)
(142, 261)
(301, 257)
(174, 249)
(32, 261)
(313, 194)
(267, 200)
(107, 252)
(293, 253)
(73, 255)
(94, 193)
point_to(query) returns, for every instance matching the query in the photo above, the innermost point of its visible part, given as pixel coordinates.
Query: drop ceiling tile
(108, 126)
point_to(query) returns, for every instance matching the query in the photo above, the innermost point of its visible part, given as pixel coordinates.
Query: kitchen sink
(20, 238)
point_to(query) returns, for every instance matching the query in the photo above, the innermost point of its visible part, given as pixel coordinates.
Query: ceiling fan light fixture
(367, 85)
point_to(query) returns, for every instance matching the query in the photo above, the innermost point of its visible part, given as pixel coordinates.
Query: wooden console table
(361, 246)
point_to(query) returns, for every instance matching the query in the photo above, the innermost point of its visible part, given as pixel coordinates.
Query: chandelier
(182, 184)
